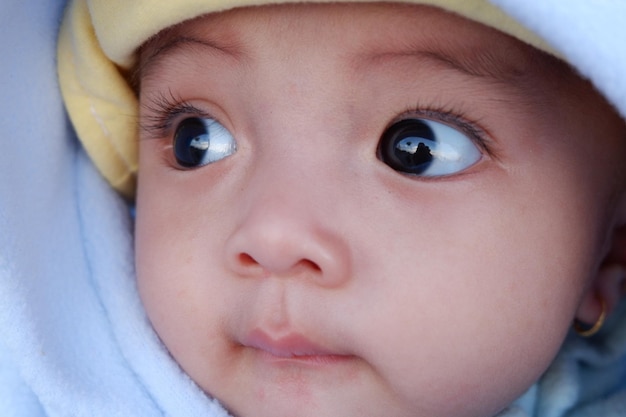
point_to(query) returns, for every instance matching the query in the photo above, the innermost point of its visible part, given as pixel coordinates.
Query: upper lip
(289, 345)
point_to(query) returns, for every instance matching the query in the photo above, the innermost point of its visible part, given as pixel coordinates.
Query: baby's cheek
(481, 311)
(465, 368)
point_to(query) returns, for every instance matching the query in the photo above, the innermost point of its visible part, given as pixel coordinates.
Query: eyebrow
(483, 63)
(157, 55)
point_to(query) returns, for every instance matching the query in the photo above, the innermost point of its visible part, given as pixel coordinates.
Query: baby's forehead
(363, 32)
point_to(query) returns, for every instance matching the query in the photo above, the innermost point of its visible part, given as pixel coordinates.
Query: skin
(445, 296)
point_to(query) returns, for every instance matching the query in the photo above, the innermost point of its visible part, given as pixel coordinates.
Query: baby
(367, 209)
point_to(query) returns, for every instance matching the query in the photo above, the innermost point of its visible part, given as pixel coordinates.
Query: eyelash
(453, 118)
(164, 110)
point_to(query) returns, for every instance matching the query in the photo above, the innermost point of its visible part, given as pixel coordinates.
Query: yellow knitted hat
(97, 45)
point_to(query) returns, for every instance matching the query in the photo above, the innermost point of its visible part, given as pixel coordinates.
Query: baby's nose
(284, 231)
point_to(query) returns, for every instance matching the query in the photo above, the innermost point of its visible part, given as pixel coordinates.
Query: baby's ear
(609, 285)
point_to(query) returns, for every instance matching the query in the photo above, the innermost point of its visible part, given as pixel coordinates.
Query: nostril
(249, 263)
(247, 260)
(311, 265)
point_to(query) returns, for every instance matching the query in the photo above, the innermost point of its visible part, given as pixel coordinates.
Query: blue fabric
(74, 339)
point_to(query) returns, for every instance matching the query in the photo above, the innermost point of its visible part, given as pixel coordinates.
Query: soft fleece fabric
(74, 340)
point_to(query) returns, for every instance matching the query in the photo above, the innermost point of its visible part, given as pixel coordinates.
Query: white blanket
(74, 340)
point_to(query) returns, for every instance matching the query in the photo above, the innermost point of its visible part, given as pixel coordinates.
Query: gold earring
(586, 331)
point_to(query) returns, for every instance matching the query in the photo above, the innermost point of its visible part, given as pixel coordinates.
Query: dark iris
(191, 142)
(406, 146)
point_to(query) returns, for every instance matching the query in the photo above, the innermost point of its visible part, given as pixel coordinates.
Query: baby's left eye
(426, 148)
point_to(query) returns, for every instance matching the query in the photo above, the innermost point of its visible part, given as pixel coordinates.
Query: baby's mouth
(291, 346)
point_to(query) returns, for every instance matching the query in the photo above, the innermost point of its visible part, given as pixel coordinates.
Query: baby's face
(366, 210)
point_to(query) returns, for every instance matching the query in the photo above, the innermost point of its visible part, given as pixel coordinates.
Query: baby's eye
(427, 148)
(200, 141)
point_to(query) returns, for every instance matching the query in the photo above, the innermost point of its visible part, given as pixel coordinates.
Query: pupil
(413, 153)
(197, 148)
(192, 142)
(409, 146)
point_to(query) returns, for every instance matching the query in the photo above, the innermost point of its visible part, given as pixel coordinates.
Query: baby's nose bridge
(309, 89)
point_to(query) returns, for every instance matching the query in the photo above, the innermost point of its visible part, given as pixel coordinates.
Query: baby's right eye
(201, 141)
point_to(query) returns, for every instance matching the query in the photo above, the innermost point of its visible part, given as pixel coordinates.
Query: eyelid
(162, 112)
(454, 119)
